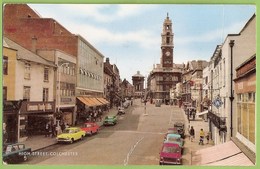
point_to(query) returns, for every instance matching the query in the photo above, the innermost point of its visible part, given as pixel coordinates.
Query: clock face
(167, 53)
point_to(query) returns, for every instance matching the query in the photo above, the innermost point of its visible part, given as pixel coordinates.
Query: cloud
(113, 12)
(217, 34)
(94, 34)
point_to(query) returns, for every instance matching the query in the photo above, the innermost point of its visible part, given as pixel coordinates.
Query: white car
(121, 110)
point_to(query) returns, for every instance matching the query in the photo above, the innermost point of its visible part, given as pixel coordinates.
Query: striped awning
(102, 100)
(87, 101)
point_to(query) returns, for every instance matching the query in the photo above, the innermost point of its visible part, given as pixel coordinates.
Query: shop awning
(95, 101)
(201, 113)
(218, 154)
(103, 101)
(86, 101)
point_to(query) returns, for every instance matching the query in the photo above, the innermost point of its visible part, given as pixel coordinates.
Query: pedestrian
(47, 128)
(53, 130)
(193, 114)
(207, 137)
(62, 126)
(192, 133)
(202, 135)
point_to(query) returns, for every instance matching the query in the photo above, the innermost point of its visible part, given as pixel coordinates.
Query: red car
(170, 154)
(90, 128)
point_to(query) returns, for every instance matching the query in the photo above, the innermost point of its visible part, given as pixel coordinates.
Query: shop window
(246, 115)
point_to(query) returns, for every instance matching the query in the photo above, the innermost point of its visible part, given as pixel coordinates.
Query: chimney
(34, 42)
(138, 72)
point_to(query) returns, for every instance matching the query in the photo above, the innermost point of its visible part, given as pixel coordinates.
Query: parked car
(170, 154)
(174, 138)
(180, 128)
(90, 128)
(126, 104)
(121, 110)
(110, 120)
(175, 130)
(71, 134)
(158, 103)
(15, 153)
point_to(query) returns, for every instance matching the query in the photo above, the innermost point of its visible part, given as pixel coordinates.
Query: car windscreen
(167, 149)
(68, 131)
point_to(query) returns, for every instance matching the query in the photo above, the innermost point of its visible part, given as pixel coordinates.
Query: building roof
(24, 54)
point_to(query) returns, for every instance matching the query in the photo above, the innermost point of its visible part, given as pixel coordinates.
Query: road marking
(131, 151)
(130, 131)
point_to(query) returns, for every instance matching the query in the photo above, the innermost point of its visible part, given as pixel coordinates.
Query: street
(135, 140)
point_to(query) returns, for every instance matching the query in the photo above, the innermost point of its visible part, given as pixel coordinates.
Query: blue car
(174, 138)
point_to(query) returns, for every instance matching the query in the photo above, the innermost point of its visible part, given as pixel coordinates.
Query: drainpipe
(231, 44)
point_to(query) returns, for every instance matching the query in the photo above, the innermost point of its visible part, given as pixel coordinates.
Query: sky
(130, 35)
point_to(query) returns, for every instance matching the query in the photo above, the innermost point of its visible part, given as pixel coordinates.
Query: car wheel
(72, 140)
(91, 133)
(25, 158)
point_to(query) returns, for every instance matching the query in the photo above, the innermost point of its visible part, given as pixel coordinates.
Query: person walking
(202, 134)
(207, 137)
(192, 133)
(47, 128)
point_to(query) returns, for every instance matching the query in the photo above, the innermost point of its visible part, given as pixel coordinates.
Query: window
(224, 73)
(168, 40)
(206, 80)
(246, 115)
(4, 93)
(5, 65)
(45, 94)
(46, 74)
(27, 71)
(26, 93)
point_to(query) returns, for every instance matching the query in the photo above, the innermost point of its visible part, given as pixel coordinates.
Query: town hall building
(167, 74)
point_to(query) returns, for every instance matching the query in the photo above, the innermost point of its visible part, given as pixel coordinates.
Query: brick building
(167, 74)
(24, 26)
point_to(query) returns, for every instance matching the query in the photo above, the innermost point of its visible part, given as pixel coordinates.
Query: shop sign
(39, 107)
(217, 102)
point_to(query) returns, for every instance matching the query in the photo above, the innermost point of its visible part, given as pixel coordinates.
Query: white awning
(201, 113)
(221, 154)
(237, 160)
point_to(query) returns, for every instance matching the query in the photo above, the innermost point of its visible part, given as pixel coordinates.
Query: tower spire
(167, 15)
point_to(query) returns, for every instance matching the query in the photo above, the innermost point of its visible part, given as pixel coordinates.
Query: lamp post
(59, 72)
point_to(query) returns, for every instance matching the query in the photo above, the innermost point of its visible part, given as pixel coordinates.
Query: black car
(180, 128)
(15, 153)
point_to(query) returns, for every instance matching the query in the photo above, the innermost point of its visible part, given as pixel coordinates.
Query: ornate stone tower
(167, 43)
(138, 83)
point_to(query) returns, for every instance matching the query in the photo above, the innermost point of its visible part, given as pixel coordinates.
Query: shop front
(33, 118)
(10, 120)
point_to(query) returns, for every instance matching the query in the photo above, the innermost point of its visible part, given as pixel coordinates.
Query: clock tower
(167, 43)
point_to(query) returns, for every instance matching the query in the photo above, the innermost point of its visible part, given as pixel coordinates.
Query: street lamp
(59, 72)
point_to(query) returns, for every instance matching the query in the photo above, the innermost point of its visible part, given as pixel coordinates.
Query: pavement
(192, 147)
(39, 142)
